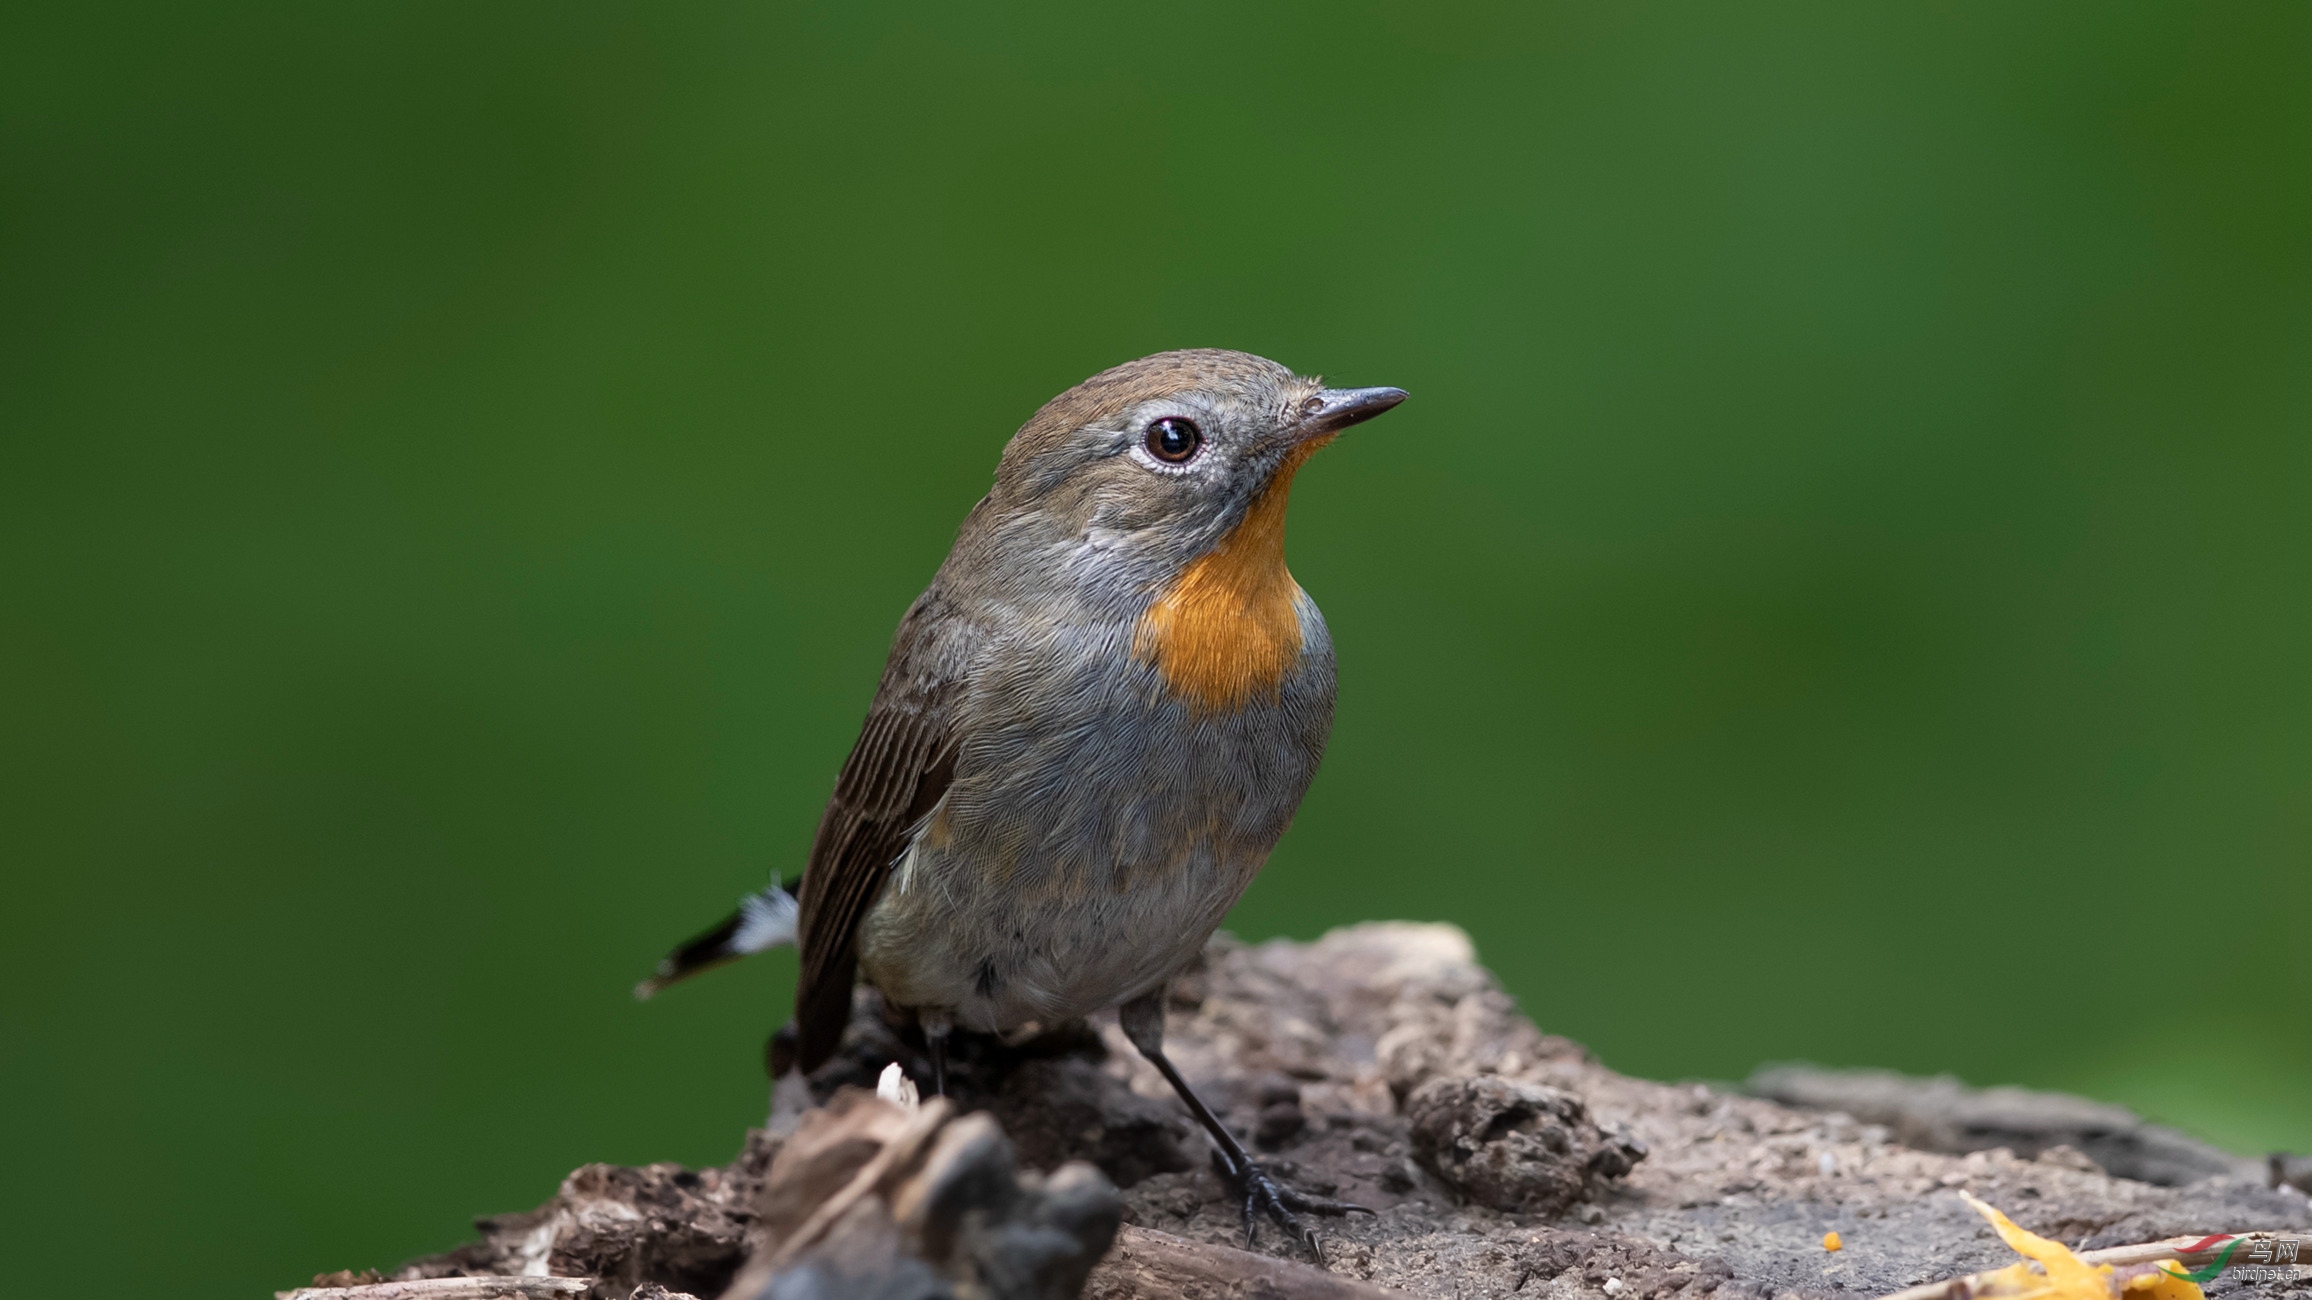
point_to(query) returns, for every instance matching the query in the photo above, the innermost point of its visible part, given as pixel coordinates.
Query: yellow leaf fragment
(2160, 1284)
(2062, 1275)
(1830, 1241)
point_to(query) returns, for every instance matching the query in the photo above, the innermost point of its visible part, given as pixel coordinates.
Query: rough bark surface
(1383, 1066)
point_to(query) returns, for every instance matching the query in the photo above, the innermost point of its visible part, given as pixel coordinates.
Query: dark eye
(1174, 439)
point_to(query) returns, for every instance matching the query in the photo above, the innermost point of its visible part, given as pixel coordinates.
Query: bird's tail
(765, 920)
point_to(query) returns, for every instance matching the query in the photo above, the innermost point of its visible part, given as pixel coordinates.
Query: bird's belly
(995, 957)
(1077, 862)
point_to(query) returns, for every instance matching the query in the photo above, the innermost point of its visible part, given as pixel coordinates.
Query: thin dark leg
(1234, 1150)
(1143, 1023)
(935, 1030)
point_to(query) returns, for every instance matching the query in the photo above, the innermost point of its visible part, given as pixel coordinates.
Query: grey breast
(1097, 828)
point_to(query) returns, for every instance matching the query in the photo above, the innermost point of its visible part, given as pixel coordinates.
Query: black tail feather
(764, 920)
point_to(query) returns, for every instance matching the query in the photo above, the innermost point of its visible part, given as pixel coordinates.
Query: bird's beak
(1335, 409)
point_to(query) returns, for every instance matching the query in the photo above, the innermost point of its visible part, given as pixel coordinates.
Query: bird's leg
(1143, 1022)
(936, 1026)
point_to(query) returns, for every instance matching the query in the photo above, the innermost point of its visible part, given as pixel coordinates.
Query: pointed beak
(1335, 409)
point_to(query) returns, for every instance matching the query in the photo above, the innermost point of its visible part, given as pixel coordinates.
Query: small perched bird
(1093, 727)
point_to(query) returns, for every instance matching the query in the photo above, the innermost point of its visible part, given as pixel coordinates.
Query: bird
(1093, 726)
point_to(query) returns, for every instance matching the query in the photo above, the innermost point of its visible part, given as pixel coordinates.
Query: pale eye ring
(1174, 441)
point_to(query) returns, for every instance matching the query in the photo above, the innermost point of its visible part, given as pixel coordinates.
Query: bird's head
(1158, 461)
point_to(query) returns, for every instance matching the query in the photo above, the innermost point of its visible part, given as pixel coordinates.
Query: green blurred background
(1839, 590)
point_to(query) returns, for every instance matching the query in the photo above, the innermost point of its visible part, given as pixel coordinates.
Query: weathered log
(448, 1288)
(1150, 1265)
(1318, 1052)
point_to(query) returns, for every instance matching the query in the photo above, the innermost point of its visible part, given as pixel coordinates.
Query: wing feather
(895, 776)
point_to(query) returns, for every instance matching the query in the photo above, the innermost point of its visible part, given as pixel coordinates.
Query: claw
(1298, 1200)
(1264, 1194)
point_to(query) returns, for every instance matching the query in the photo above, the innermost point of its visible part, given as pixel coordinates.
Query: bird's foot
(1267, 1195)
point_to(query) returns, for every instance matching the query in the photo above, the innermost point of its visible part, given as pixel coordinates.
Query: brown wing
(893, 779)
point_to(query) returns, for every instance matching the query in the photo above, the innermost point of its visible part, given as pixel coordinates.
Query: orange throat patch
(1226, 631)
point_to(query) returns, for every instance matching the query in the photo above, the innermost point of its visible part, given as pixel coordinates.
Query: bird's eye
(1174, 440)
